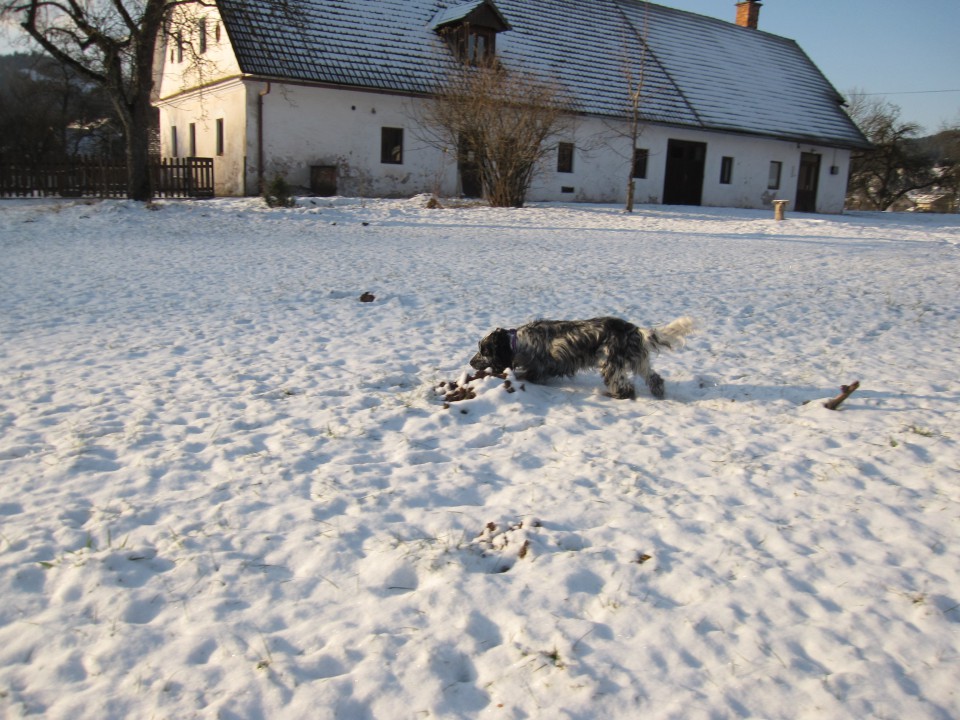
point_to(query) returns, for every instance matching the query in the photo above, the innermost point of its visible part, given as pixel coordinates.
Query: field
(232, 490)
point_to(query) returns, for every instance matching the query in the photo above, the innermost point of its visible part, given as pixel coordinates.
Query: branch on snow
(845, 392)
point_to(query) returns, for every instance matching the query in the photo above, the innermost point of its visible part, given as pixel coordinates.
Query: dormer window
(473, 45)
(470, 30)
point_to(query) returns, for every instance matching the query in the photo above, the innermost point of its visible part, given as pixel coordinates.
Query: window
(726, 170)
(640, 156)
(202, 33)
(565, 157)
(216, 32)
(391, 146)
(219, 136)
(193, 139)
(470, 30)
(179, 46)
(472, 44)
(480, 45)
(174, 146)
(774, 182)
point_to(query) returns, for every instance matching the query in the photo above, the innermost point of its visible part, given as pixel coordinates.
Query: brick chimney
(748, 13)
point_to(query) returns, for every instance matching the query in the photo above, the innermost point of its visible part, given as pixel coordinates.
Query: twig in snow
(845, 392)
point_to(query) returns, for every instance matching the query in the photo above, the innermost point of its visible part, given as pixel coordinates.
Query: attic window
(470, 29)
(471, 44)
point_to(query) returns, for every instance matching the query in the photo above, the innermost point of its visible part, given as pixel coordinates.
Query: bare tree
(944, 149)
(896, 164)
(46, 112)
(499, 121)
(111, 43)
(634, 76)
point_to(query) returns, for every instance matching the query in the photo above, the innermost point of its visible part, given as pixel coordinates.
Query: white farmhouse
(326, 94)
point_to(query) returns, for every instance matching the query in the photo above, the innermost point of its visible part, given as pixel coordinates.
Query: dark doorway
(807, 182)
(683, 183)
(470, 184)
(323, 180)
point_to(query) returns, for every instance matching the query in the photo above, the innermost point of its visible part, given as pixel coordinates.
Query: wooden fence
(188, 177)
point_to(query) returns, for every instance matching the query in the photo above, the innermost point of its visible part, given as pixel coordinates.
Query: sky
(910, 57)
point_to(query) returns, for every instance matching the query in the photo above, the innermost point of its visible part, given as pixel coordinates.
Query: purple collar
(512, 333)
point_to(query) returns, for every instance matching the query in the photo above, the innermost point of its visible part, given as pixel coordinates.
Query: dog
(546, 349)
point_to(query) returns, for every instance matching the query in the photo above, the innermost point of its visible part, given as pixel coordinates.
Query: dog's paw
(627, 392)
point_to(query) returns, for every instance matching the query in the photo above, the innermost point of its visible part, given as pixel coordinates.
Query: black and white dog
(546, 349)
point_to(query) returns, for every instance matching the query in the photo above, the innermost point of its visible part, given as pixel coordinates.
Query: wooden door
(470, 184)
(683, 182)
(807, 181)
(323, 180)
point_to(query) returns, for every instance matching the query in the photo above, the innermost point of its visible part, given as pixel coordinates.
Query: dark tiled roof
(456, 13)
(700, 72)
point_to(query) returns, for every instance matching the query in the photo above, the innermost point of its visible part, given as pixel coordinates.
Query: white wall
(186, 67)
(601, 167)
(222, 96)
(226, 102)
(306, 126)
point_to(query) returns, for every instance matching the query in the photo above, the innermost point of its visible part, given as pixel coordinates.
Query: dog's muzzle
(479, 362)
(482, 362)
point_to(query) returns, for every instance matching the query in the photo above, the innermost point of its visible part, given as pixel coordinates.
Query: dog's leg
(655, 383)
(653, 380)
(617, 379)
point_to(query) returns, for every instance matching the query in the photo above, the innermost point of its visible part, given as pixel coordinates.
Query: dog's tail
(670, 336)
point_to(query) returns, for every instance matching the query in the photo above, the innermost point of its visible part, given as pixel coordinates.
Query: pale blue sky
(907, 51)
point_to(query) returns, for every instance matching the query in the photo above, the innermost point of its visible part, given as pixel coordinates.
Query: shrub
(278, 193)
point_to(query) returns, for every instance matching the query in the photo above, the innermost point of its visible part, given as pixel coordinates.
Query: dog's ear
(489, 341)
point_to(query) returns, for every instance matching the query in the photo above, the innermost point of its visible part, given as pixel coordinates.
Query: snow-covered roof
(461, 12)
(699, 71)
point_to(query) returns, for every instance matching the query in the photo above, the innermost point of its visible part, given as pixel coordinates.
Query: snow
(231, 489)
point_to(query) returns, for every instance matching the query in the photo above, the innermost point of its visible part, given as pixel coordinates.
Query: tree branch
(845, 392)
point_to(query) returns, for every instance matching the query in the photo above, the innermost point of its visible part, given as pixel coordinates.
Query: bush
(499, 121)
(278, 193)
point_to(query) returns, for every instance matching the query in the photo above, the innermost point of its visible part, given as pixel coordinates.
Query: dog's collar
(512, 334)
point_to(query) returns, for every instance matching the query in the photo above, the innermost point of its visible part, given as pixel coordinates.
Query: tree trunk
(139, 181)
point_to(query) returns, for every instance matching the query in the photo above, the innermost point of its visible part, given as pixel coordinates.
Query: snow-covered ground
(230, 489)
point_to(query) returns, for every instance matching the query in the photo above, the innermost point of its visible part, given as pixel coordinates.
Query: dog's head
(496, 351)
